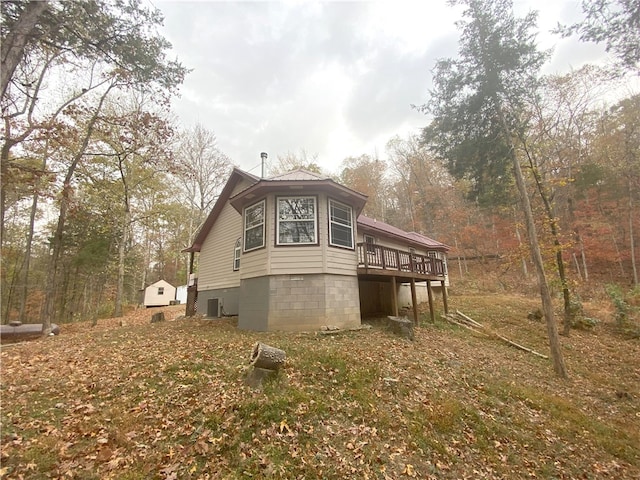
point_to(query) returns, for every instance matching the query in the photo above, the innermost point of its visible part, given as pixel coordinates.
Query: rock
(401, 326)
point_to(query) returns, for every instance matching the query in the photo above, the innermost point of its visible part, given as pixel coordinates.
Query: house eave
(298, 187)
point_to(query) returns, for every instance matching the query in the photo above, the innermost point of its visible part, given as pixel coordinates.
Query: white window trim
(237, 250)
(331, 222)
(244, 233)
(315, 220)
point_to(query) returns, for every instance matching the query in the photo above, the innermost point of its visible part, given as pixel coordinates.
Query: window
(340, 225)
(296, 221)
(236, 254)
(254, 226)
(160, 290)
(370, 241)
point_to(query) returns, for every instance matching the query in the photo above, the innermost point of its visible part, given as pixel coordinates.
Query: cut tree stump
(266, 362)
(401, 326)
(157, 317)
(267, 357)
(256, 376)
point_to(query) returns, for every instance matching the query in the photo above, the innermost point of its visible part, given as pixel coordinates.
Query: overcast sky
(336, 79)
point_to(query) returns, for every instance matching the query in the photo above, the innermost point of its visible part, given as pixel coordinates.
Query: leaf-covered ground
(127, 399)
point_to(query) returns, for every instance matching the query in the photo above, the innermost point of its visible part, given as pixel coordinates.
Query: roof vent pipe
(263, 156)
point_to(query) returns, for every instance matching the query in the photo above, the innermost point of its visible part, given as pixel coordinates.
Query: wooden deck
(376, 260)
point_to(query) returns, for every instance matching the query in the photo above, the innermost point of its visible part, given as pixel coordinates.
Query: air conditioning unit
(214, 308)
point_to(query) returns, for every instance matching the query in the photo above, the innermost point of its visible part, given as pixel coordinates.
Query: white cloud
(332, 78)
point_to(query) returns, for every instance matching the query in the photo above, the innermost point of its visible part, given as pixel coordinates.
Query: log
(401, 326)
(157, 317)
(479, 328)
(267, 357)
(24, 331)
(469, 319)
(450, 318)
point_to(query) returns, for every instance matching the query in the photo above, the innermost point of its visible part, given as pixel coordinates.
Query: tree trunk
(583, 256)
(121, 263)
(553, 225)
(545, 295)
(47, 312)
(632, 245)
(547, 304)
(16, 40)
(26, 265)
(525, 271)
(29, 245)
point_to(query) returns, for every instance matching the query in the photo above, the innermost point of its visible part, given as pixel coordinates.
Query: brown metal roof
(412, 238)
(298, 174)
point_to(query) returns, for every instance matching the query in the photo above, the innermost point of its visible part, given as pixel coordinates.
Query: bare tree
(204, 169)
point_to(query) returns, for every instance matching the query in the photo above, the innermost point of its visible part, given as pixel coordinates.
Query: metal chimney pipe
(263, 156)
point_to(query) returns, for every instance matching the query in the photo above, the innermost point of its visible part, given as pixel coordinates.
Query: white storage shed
(159, 294)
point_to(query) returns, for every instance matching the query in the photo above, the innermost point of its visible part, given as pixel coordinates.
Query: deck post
(365, 255)
(431, 310)
(444, 297)
(394, 296)
(414, 300)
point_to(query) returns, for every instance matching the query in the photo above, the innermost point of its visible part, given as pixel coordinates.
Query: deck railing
(372, 256)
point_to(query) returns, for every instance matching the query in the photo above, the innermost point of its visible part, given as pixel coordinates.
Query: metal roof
(413, 238)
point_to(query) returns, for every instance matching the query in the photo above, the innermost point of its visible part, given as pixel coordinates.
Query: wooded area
(102, 189)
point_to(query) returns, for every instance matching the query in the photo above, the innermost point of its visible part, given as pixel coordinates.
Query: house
(292, 252)
(159, 294)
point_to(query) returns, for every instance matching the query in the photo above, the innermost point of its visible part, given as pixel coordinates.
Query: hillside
(127, 399)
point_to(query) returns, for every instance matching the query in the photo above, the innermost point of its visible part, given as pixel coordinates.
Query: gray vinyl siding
(215, 268)
(341, 261)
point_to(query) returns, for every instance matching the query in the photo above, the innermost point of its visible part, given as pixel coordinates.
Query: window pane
(341, 235)
(296, 208)
(297, 232)
(253, 238)
(340, 214)
(254, 215)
